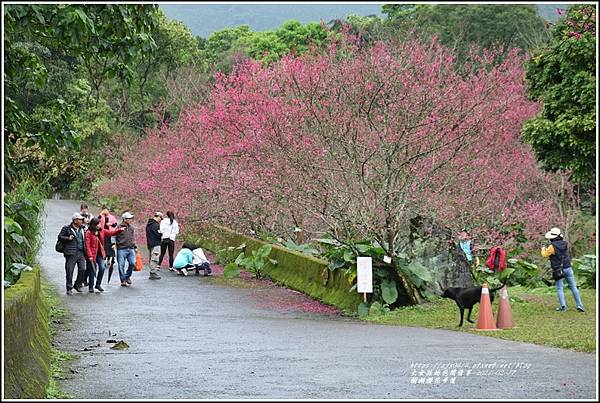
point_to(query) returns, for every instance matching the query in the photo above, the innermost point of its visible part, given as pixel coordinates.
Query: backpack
(497, 259)
(60, 246)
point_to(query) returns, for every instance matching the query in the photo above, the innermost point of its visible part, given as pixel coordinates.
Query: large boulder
(434, 247)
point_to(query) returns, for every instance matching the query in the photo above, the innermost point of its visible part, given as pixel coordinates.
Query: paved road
(193, 339)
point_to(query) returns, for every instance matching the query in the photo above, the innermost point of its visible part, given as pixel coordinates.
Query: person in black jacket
(558, 252)
(153, 239)
(72, 238)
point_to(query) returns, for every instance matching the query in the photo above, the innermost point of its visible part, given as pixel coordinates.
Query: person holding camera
(558, 252)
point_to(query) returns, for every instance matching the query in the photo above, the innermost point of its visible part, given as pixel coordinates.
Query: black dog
(466, 298)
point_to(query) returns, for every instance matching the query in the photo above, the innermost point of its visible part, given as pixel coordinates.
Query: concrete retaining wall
(297, 271)
(27, 348)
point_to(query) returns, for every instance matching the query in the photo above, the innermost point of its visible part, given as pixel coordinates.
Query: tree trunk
(411, 291)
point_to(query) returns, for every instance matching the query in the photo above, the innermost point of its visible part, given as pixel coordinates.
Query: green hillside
(204, 19)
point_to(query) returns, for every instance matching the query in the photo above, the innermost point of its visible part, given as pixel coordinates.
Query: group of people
(560, 260)
(160, 238)
(92, 243)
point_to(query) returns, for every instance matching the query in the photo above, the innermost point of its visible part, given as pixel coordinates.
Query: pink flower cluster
(354, 140)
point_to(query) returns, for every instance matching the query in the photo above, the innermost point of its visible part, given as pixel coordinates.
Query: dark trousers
(167, 243)
(92, 275)
(89, 267)
(204, 266)
(70, 262)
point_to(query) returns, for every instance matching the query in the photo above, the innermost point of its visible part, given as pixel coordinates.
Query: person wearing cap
(153, 240)
(126, 249)
(72, 236)
(558, 252)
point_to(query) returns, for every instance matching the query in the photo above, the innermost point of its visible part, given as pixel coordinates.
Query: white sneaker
(184, 272)
(172, 269)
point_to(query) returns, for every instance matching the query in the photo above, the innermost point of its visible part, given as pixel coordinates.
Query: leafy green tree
(175, 47)
(221, 42)
(46, 46)
(563, 77)
(462, 25)
(268, 46)
(297, 37)
(370, 27)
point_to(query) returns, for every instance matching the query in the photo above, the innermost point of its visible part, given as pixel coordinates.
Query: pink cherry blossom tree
(353, 142)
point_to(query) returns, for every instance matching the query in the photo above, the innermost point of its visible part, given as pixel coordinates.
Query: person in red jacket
(95, 238)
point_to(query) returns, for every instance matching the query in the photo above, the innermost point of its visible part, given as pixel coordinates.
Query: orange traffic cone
(504, 319)
(485, 320)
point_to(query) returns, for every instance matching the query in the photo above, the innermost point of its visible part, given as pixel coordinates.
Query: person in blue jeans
(558, 252)
(126, 249)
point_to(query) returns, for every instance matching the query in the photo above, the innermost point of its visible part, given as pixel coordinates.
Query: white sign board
(364, 274)
(387, 259)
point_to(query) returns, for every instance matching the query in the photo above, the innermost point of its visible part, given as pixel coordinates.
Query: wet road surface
(191, 338)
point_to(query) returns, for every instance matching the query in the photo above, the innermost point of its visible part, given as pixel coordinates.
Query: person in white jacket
(200, 261)
(169, 228)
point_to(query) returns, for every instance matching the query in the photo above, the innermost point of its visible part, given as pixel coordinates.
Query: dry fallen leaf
(120, 345)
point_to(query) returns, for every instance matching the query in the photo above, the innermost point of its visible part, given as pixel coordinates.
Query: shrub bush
(585, 271)
(229, 255)
(23, 223)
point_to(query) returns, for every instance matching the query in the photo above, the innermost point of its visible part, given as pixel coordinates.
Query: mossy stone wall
(27, 343)
(297, 271)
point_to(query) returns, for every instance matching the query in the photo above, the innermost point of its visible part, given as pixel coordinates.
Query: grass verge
(57, 313)
(533, 313)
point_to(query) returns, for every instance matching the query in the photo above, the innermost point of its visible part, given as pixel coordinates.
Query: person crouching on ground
(558, 252)
(185, 259)
(153, 240)
(95, 239)
(126, 249)
(200, 261)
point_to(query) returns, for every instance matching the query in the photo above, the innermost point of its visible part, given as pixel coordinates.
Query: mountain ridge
(203, 19)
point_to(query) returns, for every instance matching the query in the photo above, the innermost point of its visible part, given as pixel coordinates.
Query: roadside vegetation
(23, 226)
(56, 316)
(533, 312)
